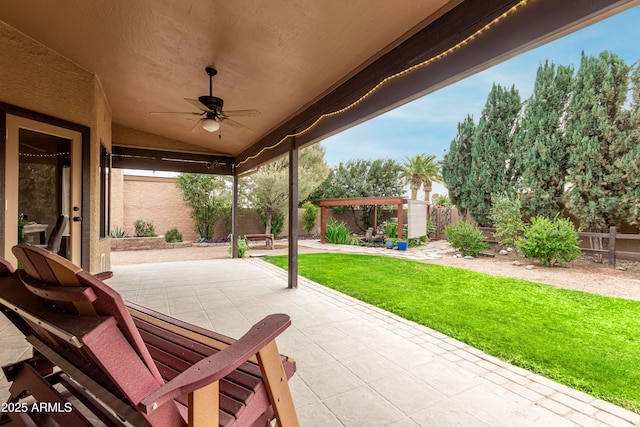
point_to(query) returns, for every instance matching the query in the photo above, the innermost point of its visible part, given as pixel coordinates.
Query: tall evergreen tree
(456, 165)
(492, 163)
(629, 163)
(539, 147)
(597, 133)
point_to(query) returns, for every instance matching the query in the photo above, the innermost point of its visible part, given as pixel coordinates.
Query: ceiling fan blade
(197, 126)
(242, 113)
(235, 124)
(175, 112)
(197, 104)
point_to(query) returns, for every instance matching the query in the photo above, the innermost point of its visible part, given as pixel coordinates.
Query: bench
(99, 360)
(268, 238)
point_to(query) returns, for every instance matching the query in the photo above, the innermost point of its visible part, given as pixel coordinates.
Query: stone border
(149, 243)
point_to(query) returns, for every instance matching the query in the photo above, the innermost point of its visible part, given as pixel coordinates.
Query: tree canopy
(363, 178)
(421, 169)
(540, 147)
(491, 152)
(574, 145)
(268, 189)
(208, 199)
(597, 135)
(456, 165)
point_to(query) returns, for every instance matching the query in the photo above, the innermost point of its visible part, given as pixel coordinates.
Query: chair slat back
(121, 352)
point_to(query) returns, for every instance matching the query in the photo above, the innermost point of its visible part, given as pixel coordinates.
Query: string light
(45, 155)
(213, 165)
(390, 78)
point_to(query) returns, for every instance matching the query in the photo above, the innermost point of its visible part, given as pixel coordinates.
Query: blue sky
(427, 125)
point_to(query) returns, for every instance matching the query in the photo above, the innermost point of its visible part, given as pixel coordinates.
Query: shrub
(144, 229)
(391, 230)
(550, 241)
(337, 233)
(466, 237)
(242, 247)
(309, 216)
(173, 236)
(506, 218)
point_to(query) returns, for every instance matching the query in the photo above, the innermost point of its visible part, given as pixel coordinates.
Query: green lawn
(585, 341)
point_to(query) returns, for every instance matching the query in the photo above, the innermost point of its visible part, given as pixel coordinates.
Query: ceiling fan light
(210, 125)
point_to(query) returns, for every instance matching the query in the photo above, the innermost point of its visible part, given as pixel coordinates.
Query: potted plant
(389, 243)
(391, 234)
(402, 245)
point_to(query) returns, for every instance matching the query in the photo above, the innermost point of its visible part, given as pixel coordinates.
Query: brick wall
(153, 199)
(159, 201)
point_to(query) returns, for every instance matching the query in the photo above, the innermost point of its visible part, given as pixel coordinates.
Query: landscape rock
(457, 256)
(469, 257)
(509, 249)
(530, 267)
(516, 263)
(503, 252)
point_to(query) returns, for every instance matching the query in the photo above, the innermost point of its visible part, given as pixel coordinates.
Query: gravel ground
(585, 275)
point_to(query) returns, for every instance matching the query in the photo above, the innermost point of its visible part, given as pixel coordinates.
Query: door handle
(77, 218)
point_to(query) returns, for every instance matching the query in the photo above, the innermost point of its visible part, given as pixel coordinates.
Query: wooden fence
(611, 238)
(441, 218)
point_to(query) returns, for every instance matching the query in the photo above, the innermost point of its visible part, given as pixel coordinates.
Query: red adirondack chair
(95, 357)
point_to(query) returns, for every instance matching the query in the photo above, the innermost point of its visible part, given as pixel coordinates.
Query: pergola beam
(159, 160)
(361, 201)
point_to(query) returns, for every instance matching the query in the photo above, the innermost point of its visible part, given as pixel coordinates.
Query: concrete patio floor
(357, 365)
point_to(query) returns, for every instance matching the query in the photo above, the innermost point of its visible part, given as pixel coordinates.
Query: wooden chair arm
(103, 275)
(6, 269)
(218, 365)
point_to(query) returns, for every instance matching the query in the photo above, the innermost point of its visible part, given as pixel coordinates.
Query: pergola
(311, 68)
(362, 201)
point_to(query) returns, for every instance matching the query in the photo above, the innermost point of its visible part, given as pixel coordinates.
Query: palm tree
(412, 172)
(430, 173)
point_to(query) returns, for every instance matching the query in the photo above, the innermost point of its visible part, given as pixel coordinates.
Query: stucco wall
(36, 78)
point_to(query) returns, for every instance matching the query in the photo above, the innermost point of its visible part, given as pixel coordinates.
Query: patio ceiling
(292, 60)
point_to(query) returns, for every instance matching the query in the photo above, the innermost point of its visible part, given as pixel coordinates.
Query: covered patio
(357, 364)
(312, 71)
(133, 85)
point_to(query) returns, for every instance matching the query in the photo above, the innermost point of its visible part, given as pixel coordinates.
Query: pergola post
(234, 216)
(375, 219)
(323, 224)
(293, 217)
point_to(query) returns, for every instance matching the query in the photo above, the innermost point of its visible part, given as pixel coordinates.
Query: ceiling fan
(212, 113)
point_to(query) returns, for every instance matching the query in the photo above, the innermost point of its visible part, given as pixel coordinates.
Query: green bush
(277, 221)
(391, 230)
(337, 233)
(309, 216)
(506, 218)
(466, 237)
(144, 229)
(242, 247)
(550, 241)
(173, 236)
